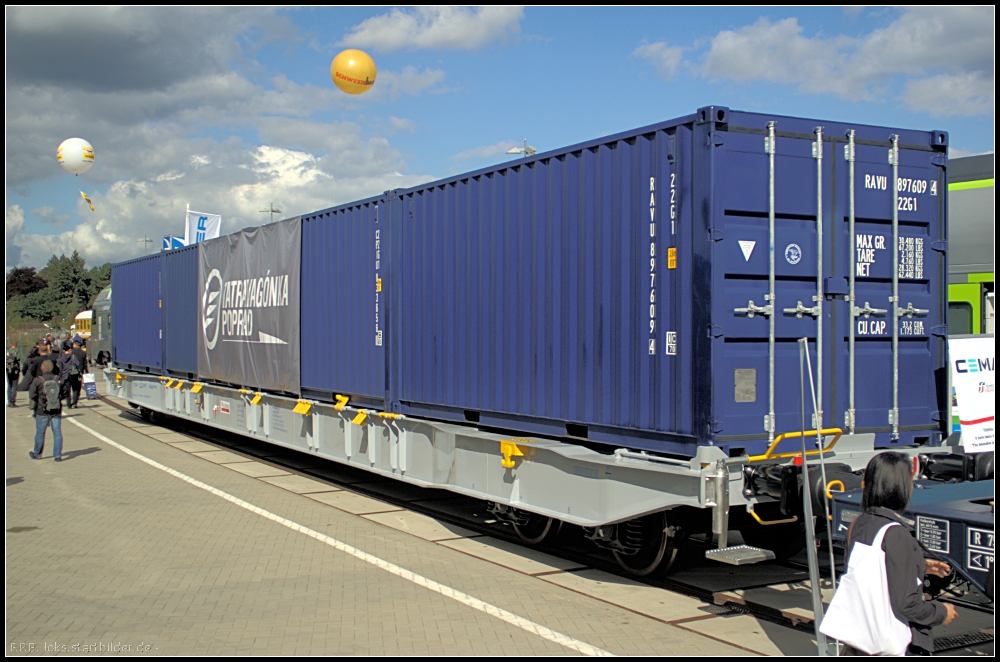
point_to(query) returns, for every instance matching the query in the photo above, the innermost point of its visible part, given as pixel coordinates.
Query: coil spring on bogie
(630, 535)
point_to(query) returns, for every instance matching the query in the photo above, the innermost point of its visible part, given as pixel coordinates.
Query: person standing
(887, 487)
(64, 369)
(44, 393)
(33, 363)
(13, 374)
(78, 366)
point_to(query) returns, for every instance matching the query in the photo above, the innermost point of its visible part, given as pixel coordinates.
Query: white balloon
(75, 155)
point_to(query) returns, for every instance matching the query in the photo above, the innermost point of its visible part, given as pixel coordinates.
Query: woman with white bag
(879, 608)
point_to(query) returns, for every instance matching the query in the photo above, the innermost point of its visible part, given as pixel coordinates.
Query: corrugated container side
(137, 314)
(180, 310)
(537, 296)
(343, 309)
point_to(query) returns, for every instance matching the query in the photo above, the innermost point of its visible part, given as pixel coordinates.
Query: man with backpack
(44, 392)
(13, 375)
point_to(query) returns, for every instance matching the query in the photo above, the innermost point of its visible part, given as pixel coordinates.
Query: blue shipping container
(619, 290)
(137, 314)
(608, 290)
(342, 310)
(180, 311)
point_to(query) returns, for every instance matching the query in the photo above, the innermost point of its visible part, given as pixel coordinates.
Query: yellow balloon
(353, 71)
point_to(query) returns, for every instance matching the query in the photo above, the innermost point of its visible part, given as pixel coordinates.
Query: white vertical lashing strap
(348, 435)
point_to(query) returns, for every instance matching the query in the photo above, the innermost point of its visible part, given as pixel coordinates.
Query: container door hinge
(941, 331)
(716, 138)
(714, 331)
(940, 246)
(715, 234)
(939, 160)
(717, 427)
(936, 416)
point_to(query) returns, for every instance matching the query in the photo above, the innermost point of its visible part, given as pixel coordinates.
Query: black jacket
(66, 362)
(36, 391)
(33, 366)
(81, 359)
(904, 566)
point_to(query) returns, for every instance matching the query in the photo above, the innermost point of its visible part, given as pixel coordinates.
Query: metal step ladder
(740, 555)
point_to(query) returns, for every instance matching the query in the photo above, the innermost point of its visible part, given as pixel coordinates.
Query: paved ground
(105, 550)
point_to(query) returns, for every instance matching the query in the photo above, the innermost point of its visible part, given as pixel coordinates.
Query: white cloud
(661, 55)
(237, 184)
(969, 93)
(402, 125)
(949, 49)
(449, 28)
(485, 151)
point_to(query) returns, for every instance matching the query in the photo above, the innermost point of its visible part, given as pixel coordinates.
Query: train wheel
(785, 540)
(656, 541)
(536, 529)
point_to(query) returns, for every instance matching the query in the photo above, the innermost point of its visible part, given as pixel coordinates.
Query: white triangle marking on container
(270, 340)
(747, 248)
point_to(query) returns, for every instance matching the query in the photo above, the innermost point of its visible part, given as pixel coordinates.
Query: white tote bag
(860, 614)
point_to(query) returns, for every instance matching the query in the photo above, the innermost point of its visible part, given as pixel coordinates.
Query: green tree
(67, 278)
(39, 306)
(23, 280)
(99, 278)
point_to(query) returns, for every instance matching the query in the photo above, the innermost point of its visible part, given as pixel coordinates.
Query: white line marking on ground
(392, 568)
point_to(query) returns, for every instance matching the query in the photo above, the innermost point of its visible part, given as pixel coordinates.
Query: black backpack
(51, 390)
(13, 364)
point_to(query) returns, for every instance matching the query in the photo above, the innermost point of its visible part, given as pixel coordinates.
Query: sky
(230, 110)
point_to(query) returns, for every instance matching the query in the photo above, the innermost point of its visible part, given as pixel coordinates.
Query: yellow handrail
(771, 455)
(793, 518)
(829, 494)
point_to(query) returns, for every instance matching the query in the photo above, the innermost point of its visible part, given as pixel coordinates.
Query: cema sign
(973, 376)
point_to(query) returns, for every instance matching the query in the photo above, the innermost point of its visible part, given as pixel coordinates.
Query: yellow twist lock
(169, 382)
(341, 402)
(509, 450)
(360, 418)
(385, 414)
(257, 398)
(303, 407)
(196, 388)
(180, 383)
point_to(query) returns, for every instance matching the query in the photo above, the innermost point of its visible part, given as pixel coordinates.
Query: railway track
(766, 592)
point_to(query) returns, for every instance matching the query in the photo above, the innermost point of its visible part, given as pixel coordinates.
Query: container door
(767, 263)
(787, 254)
(891, 330)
